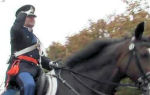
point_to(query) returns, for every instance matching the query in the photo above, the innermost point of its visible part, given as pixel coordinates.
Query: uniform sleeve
(45, 62)
(15, 32)
(19, 22)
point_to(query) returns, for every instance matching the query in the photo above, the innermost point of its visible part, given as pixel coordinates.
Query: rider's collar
(29, 29)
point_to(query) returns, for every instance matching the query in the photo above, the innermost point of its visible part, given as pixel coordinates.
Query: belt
(27, 58)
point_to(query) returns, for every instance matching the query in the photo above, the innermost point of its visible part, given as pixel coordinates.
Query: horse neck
(107, 73)
(99, 75)
(102, 68)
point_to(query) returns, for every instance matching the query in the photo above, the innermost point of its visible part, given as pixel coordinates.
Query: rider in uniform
(26, 55)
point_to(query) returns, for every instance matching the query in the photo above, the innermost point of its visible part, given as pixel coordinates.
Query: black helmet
(26, 8)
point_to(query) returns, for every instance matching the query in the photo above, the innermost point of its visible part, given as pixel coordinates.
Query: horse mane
(90, 51)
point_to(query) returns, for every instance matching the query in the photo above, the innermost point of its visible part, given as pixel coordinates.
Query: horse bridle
(143, 81)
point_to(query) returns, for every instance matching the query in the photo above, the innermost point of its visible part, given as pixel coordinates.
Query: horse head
(134, 61)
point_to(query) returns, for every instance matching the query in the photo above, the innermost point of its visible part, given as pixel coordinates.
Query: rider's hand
(30, 11)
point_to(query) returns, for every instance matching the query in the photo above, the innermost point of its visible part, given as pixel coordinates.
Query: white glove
(30, 11)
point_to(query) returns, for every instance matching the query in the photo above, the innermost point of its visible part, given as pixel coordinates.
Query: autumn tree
(56, 51)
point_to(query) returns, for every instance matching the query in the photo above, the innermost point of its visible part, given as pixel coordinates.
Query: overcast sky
(56, 19)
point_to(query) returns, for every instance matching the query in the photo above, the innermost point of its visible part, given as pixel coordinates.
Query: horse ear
(139, 30)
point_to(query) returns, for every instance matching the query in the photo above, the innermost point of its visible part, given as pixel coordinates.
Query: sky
(56, 19)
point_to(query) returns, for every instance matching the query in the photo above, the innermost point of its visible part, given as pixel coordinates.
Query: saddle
(46, 84)
(42, 84)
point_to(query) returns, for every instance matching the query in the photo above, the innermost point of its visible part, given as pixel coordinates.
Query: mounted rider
(26, 55)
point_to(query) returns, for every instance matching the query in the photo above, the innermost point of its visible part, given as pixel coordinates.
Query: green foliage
(127, 90)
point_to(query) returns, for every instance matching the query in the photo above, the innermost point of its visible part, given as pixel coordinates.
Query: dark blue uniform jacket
(22, 38)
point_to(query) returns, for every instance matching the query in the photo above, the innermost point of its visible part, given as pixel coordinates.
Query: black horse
(105, 62)
(98, 68)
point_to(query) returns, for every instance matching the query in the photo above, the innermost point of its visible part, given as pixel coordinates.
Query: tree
(56, 51)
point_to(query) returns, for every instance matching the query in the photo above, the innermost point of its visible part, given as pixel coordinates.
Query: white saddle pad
(53, 83)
